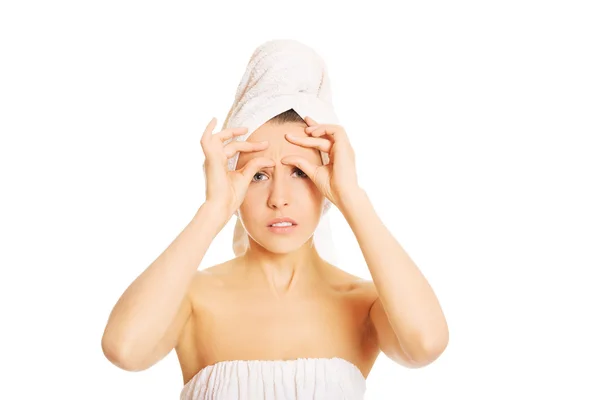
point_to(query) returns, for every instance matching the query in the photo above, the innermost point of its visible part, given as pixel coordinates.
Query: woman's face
(280, 191)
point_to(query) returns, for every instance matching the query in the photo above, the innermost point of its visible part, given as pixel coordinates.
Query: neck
(286, 272)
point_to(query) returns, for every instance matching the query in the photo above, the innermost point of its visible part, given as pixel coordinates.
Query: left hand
(336, 179)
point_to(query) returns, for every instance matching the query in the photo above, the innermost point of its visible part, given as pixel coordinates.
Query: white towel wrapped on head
(281, 75)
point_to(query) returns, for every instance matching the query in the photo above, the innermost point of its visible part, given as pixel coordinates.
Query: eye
(298, 170)
(302, 174)
(257, 174)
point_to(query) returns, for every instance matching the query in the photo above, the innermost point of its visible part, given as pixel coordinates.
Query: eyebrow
(291, 166)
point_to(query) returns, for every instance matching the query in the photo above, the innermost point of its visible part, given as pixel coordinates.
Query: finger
(307, 167)
(310, 121)
(223, 135)
(255, 165)
(313, 142)
(228, 133)
(321, 133)
(331, 132)
(208, 131)
(231, 148)
(318, 132)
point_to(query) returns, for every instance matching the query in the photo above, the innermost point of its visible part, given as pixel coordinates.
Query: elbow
(435, 342)
(117, 354)
(432, 350)
(428, 352)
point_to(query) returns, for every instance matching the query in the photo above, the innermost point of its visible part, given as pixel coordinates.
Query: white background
(475, 126)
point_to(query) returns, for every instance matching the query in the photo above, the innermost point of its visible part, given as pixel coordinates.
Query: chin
(282, 244)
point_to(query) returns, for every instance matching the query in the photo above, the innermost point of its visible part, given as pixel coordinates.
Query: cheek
(253, 198)
(254, 193)
(315, 193)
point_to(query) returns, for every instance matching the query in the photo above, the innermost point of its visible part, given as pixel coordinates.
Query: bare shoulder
(214, 276)
(356, 281)
(365, 288)
(368, 287)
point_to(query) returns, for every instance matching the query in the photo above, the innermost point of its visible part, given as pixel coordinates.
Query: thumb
(254, 165)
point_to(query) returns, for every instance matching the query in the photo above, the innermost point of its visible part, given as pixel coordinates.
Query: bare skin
(277, 301)
(237, 316)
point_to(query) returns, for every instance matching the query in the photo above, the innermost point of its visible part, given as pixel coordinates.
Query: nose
(279, 196)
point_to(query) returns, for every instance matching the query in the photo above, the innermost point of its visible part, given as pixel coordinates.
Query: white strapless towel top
(303, 378)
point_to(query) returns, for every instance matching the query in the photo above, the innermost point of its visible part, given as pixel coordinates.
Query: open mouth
(282, 224)
(282, 227)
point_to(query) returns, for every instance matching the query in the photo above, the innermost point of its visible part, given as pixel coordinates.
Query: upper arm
(386, 338)
(171, 336)
(384, 334)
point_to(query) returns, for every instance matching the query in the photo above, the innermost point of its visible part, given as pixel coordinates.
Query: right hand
(227, 189)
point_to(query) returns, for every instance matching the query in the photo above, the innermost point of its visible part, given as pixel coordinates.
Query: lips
(282, 219)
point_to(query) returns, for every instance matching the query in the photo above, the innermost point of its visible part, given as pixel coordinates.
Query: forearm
(407, 298)
(145, 310)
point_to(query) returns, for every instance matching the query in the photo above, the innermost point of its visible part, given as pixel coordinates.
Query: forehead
(279, 146)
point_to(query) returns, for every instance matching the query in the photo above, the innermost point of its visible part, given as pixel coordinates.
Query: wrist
(352, 198)
(214, 213)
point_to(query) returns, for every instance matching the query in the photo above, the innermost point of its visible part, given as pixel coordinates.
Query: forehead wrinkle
(279, 149)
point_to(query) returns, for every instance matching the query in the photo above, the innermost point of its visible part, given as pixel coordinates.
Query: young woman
(277, 321)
